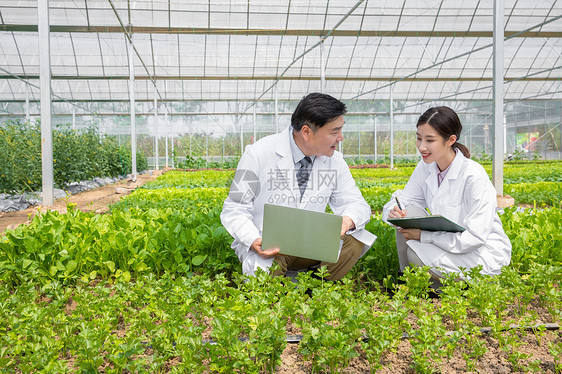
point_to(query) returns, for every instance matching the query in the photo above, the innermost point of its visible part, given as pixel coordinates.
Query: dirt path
(96, 200)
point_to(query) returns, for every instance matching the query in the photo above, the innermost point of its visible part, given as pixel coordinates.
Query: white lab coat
(266, 174)
(466, 196)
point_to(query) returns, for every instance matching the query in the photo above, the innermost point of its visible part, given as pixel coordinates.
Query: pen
(398, 202)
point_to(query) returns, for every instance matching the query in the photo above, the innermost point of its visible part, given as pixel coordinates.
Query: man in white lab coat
(301, 168)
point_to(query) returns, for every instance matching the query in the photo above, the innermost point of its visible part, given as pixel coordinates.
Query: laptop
(302, 233)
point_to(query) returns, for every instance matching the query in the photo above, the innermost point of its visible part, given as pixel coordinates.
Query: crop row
(512, 173)
(155, 287)
(377, 185)
(519, 173)
(179, 231)
(74, 245)
(172, 229)
(196, 324)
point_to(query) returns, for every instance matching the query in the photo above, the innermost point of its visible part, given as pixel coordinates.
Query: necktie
(303, 173)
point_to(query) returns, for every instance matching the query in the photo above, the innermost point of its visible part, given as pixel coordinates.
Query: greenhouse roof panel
(240, 50)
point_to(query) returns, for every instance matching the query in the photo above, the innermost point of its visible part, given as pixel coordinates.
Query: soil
(533, 346)
(495, 360)
(96, 200)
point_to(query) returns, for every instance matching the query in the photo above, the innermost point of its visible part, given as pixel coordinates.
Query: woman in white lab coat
(449, 183)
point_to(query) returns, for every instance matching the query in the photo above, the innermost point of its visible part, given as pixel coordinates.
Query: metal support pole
(359, 141)
(156, 150)
(504, 133)
(166, 123)
(255, 134)
(469, 140)
(407, 143)
(27, 111)
(73, 117)
(241, 138)
(375, 138)
(132, 107)
(391, 130)
(528, 132)
(173, 155)
(276, 111)
(46, 110)
(322, 68)
(497, 141)
(545, 147)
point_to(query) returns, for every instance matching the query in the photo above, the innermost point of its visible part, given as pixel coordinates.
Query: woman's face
(433, 147)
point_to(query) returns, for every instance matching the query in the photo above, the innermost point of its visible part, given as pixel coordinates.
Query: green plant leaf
(198, 260)
(71, 266)
(126, 276)
(110, 266)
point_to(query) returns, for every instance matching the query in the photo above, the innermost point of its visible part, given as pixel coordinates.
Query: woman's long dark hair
(446, 122)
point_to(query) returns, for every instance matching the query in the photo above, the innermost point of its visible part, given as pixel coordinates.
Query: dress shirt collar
(295, 150)
(442, 174)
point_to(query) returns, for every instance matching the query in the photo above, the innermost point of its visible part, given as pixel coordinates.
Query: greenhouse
(126, 128)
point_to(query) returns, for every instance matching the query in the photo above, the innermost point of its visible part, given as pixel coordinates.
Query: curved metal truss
(259, 51)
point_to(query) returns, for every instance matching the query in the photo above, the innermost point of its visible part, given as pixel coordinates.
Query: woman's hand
(397, 213)
(411, 234)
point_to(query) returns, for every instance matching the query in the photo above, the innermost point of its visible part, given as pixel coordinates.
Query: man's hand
(256, 246)
(346, 225)
(411, 234)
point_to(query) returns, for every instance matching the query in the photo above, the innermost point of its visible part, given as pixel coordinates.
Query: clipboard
(434, 222)
(302, 233)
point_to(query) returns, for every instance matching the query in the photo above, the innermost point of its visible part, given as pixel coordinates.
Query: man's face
(324, 141)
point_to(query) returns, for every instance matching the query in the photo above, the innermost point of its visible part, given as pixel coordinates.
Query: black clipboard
(429, 223)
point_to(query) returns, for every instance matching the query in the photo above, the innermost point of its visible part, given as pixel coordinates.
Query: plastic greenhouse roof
(236, 50)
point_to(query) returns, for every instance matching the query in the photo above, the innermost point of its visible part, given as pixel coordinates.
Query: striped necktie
(303, 173)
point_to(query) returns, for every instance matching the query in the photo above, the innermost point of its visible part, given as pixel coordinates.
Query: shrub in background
(20, 157)
(77, 155)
